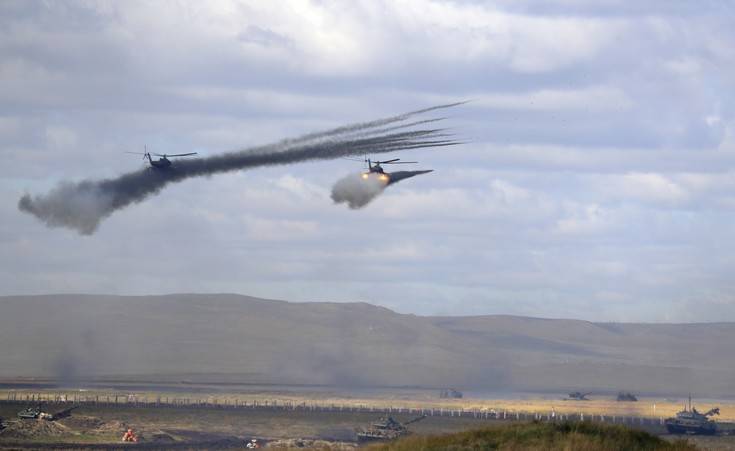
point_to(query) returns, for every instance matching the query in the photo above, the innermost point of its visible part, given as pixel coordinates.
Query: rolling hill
(225, 337)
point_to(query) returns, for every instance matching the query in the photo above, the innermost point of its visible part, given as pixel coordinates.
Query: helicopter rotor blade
(135, 153)
(400, 162)
(180, 154)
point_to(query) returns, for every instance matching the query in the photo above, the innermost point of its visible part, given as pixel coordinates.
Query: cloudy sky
(597, 181)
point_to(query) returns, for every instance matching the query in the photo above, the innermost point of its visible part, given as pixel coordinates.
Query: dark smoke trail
(83, 205)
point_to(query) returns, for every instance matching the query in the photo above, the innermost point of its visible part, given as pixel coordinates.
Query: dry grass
(597, 406)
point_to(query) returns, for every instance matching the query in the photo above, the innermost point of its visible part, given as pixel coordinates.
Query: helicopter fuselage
(387, 177)
(376, 168)
(161, 163)
(380, 174)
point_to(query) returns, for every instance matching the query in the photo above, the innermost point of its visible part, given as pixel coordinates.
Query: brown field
(649, 407)
(105, 423)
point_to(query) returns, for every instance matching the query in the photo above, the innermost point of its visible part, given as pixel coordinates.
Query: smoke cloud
(357, 190)
(81, 206)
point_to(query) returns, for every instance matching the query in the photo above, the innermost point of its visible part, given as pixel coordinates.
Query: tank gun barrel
(63, 414)
(419, 418)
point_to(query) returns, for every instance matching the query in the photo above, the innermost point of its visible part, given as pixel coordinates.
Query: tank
(30, 413)
(691, 422)
(386, 428)
(626, 396)
(450, 393)
(577, 396)
(35, 413)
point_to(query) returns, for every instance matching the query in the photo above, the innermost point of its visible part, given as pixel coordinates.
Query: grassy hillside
(538, 436)
(243, 339)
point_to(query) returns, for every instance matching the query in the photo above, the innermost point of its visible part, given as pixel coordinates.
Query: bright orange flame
(365, 176)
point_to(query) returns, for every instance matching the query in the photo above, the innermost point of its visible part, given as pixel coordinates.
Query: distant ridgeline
(239, 339)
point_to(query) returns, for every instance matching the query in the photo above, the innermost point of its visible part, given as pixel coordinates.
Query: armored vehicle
(625, 396)
(35, 413)
(386, 428)
(450, 393)
(577, 396)
(691, 422)
(30, 413)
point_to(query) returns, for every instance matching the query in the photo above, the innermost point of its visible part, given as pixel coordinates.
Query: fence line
(289, 405)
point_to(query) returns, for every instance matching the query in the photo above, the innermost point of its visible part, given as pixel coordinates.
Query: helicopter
(163, 162)
(374, 167)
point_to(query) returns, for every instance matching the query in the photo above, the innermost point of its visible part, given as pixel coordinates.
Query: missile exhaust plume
(357, 190)
(81, 206)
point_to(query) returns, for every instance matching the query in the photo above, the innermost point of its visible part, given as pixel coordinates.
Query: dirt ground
(647, 406)
(102, 427)
(202, 427)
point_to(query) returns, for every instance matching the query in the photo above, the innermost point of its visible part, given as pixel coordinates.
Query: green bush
(539, 436)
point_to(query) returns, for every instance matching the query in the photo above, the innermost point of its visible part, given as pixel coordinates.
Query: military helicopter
(374, 167)
(163, 162)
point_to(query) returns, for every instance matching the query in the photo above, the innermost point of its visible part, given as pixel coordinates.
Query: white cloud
(61, 137)
(649, 187)
(258, 229)
(587, 99)
(586, 220)
(595, 181)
